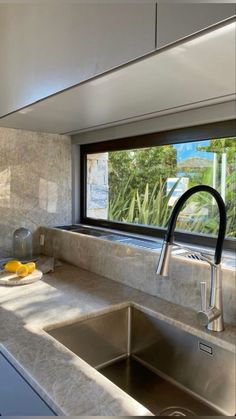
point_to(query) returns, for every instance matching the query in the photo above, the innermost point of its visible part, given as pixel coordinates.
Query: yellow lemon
(22, 271)
(12, 266)
(31, 267)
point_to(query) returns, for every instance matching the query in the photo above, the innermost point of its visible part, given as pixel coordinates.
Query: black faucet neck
(222, 211)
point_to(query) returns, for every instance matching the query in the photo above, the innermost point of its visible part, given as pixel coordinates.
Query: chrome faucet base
(216, 301)
(212, 319)
(212, 316)
(216, 325)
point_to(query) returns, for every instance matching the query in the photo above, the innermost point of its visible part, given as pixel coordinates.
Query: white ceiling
(196, 72)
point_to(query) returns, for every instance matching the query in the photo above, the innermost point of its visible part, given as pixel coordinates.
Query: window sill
(145, 241)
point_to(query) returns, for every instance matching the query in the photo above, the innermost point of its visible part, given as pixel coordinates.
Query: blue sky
(187, 150)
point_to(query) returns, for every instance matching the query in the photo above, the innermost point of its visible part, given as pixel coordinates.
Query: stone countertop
(69, 384)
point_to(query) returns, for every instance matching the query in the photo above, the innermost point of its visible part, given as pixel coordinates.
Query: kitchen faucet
(211, 316)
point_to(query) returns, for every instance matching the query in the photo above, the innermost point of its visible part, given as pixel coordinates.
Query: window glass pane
(141, 186)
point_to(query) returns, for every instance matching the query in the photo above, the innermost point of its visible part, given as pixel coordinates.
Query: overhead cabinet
(175, 21)
(46, 48)
(185, 76)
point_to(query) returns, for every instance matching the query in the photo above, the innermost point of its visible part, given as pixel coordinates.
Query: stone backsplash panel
(35, 182)
(136, 267)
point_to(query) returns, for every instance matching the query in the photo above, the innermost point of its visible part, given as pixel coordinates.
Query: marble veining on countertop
(62, 297)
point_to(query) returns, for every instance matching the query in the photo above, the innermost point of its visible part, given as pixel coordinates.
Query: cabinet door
(17, 397)
(175, 21)
(47, 47)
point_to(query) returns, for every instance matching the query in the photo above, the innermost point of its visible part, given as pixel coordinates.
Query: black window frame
(175, 136)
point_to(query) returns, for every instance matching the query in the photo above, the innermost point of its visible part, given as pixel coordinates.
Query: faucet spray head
(163, 263)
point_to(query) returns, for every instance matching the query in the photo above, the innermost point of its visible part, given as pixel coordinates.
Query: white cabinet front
(175, 21)
(46, 48)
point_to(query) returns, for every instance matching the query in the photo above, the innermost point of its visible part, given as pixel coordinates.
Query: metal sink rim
(128, 307)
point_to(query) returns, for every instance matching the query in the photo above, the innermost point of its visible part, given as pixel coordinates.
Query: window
(133, 184)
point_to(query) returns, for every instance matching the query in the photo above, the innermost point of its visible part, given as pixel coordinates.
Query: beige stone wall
(35, 182)
(97, 185)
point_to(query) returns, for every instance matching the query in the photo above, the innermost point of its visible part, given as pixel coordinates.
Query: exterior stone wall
(97, 186)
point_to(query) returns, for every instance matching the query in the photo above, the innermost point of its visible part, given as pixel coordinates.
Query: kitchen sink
(168, 370)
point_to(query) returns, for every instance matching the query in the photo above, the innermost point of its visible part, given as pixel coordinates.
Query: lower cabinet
(17, 397)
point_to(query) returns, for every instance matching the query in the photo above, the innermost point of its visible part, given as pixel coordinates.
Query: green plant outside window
(141, 186)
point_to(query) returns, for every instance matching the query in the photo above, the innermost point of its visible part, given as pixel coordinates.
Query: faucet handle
(203, 289)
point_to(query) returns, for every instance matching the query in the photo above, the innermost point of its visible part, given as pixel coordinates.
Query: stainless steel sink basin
(168, 370)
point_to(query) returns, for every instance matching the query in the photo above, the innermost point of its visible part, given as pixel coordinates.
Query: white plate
(12, 279)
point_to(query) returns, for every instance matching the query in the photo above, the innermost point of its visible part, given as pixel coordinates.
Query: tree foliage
(141, 166)
(138, 193)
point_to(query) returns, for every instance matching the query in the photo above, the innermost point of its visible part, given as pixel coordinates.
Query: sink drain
(176, 411)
